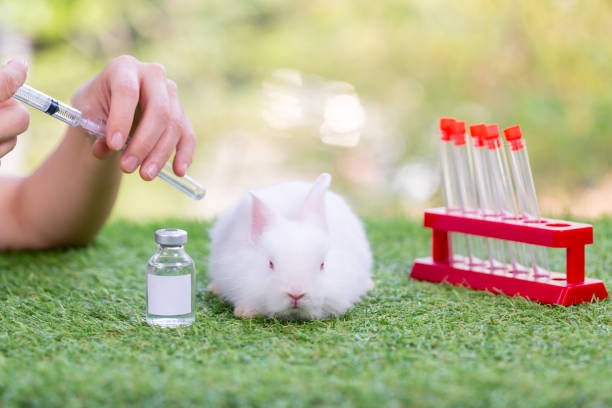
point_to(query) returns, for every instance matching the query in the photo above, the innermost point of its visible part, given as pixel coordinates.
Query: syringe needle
(73, 117)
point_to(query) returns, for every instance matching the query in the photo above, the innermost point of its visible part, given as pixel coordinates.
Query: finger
(156, 112)
(7, 145)
(12, 76)
(125, 91)
(167, 143)
(186, 147)
(15, 119)
(101, 150)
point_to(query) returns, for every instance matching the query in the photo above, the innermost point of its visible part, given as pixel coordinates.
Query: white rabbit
(292, 251)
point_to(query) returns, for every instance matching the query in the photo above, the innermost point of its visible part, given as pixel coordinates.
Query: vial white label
(169, 295)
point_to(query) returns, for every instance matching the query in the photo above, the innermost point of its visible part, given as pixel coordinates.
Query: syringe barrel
(33, 98)
(44, 103)
(67, 114)
(186, 184)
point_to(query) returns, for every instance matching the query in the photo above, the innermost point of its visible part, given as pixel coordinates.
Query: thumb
(12, 76)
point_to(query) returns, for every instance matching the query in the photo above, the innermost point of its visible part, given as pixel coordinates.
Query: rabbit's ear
(314, 205)
(261, 217)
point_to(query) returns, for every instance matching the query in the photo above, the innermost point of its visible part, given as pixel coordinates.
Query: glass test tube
(488, 204)
(457, 242)
(525, 190)
(468, 197)
(451, 194)
(504, 195)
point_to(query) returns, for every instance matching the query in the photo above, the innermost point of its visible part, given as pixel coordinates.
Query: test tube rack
(559, 289)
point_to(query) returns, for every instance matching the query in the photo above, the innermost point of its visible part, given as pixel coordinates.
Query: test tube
(451, 193)
(468, 197)
(457, 242)
(503, 193)
(525, 190)
(488, 204)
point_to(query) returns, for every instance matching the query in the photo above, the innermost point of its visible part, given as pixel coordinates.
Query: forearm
(67, 199)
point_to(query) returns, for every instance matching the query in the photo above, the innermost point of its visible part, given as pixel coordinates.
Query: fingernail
(17, 60)
(130, 164)
(117, 141)
(184, 167)
(152, 170)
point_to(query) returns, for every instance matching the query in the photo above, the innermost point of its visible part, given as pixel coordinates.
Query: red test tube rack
(560, 289)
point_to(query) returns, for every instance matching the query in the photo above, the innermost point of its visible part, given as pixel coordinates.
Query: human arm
(67, 199)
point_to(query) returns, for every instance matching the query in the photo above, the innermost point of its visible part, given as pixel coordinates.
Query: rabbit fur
(292, 251)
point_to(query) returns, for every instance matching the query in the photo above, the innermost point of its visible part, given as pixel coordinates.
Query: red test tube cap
(478, 130)
(513, 133)
(458, 132)
(458, 127)
(492, 132)
(514, 136)
(446, 125)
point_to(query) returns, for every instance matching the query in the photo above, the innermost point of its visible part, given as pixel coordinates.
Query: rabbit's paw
(245, 312)
(369, 285)
(214, 289)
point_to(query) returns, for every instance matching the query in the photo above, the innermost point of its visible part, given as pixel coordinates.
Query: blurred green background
(261, 79)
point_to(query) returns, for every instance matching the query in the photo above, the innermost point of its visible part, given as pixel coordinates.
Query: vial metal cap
(171, 236)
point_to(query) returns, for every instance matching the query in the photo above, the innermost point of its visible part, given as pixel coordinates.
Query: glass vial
(171, 281)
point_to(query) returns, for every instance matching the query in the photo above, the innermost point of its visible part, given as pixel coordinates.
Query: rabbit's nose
(296, 296)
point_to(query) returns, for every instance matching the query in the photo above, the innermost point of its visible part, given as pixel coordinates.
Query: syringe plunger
(44, 103)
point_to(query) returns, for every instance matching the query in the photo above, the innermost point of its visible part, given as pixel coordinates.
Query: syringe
(74, 117)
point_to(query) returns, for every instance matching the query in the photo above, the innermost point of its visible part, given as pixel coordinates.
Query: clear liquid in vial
(171, 281)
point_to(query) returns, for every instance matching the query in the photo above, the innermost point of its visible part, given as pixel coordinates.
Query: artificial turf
(72, 333)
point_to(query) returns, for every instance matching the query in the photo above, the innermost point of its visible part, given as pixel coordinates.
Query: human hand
(14, 117)
(136, 96)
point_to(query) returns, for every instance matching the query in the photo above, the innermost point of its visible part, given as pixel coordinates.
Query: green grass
(72, 333)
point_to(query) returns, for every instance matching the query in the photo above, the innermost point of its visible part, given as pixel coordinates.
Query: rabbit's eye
(322, 265)
(271, 264)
